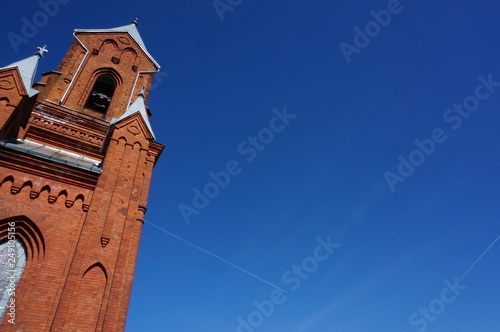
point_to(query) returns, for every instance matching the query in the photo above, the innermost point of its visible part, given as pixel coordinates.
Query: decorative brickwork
(76, 159)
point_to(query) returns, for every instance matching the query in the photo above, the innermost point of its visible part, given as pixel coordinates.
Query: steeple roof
(137, 106)
(27, 67)
(131, 29)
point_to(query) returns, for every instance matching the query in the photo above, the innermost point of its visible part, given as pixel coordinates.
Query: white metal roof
(27, 68)
(53, 154)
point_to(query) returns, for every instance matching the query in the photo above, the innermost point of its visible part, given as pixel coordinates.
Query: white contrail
(477, 260)
(213, 255)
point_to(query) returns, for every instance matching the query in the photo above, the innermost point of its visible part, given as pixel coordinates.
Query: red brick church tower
(76, 158)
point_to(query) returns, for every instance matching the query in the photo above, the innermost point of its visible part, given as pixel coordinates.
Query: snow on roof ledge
(53, 154)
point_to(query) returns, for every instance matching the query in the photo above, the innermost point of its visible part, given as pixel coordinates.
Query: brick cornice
(33, 165)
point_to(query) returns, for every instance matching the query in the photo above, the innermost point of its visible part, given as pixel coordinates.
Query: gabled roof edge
(138, 106)
(131, 29)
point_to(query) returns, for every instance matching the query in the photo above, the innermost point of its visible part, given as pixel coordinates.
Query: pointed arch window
(12, 263)
(101, 93)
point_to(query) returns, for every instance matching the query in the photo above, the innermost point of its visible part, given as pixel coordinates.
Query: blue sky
(385, 225)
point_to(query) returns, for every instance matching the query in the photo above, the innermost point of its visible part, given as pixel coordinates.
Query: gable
(124, 36)
(11, 83)
(134, 126)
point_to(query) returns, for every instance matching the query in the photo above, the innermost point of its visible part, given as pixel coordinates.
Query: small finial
(143, 92)
(136, 21)
(41, 50)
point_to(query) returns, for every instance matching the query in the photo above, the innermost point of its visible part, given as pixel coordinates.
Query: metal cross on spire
(41, 50)
(136, 21)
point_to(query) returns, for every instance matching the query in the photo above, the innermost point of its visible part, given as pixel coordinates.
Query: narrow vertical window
(12, 263)
(101, 94)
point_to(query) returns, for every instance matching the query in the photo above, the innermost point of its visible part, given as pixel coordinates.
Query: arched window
(12, 263)
(101, 94)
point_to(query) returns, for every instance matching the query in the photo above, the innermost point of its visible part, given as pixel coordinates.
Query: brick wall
(81, 228)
